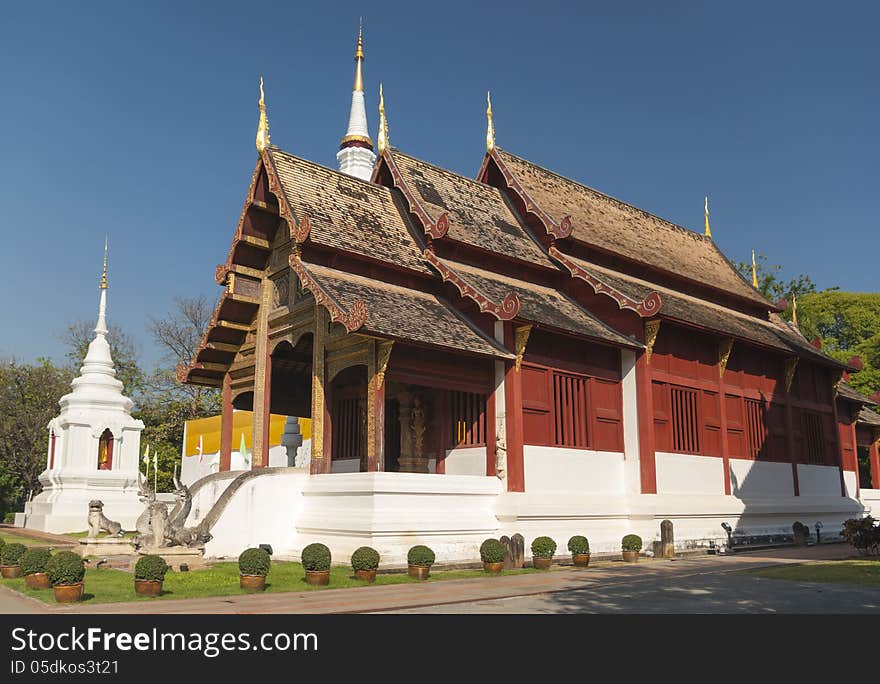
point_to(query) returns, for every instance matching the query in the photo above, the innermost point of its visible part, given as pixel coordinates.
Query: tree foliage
(772, 284)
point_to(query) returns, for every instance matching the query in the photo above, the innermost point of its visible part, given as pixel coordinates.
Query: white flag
(200, 448)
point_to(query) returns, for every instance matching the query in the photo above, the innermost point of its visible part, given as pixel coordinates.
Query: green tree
(29, 397)
(772, 284)
(848, 323)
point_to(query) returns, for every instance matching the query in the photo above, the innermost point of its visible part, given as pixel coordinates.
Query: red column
(490, 433)
(839, 443)
(645, 398)
(226, 424)
(377, 463)
(513, 408)
(874, 454)
(855, 458)
(722, 414)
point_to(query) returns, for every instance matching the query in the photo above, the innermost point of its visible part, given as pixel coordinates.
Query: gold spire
(490, 127)
(754, 271)
(104, 284)
(383, 140)
(359, 59)
(263, 127)
(708, 230)
(794, 309)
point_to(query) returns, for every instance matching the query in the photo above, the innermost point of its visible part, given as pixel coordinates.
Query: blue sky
(138, 120)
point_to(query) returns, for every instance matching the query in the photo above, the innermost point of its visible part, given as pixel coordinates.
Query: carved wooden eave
(790, 367)
(506, 310)
(353, 318)
(556, 231)
(652, 329)
(649, 306)
(725, 346)
(520, 340)
(433, 229)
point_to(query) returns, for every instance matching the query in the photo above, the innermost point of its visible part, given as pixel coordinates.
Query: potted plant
(316, 561)
(493, 553)
(9, 558)
(420, 559)
(66, 571)
(543, 549)
(33, 565)
(364, 562)
(149, 573)
(580, 551)
(253, 566)
(631, 545)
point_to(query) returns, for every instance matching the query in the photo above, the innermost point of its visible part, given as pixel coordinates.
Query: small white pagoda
(94, 446)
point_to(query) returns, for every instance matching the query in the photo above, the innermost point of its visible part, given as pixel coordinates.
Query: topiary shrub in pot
(631, 545)
(493, 553)
(149, 574)
(33, 566)
(420, 558)
(253, 566)
(316, 561)
(579, 546)
(543, 549)
(364, 562)
(9, 557)
(66, 571)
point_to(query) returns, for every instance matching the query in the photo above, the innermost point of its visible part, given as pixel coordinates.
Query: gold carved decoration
(724, 349)
(521, 338)
(384, 351)
(790, 367)
(318, 384)
(652, 328)
(418, 427)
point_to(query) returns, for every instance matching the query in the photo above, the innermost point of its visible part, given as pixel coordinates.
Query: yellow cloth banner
(242, 423)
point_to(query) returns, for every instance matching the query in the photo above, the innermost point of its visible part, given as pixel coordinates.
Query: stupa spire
(263, 126)
(356, 156)
(101, 326)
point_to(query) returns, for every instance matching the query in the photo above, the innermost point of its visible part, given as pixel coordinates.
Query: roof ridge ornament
(754, 271)
(708, 231)
(794, 310)
(383, 139)
(263, 126)
(490, 126)
(506, 310)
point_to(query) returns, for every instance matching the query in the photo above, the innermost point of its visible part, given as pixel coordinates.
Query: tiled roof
(869, 417)
(479, 214)
(850, 393)
(405, 314)
(347, 213)
(542, 305)
(626, 231)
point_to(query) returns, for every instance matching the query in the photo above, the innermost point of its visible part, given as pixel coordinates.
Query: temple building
(515, 352)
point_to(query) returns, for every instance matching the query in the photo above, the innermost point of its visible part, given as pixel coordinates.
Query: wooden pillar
(375, 408)
(645, 396)
(874, 455)
(855, 456)
(262, 381)
(490, 433)
(514, 415)
(724, 350)
(839, 444)
(320, 459)
(226, 424)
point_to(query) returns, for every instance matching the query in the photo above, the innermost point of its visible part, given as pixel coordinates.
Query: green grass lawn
(27, 541)
(864, 572)
(103, 535)
(114, 586)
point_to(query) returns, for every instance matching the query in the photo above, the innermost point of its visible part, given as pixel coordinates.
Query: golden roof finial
(104, 284)
(490, 126)
(794, 309)
(754, 271)
(708, 230)
(383, 140)
(263, 127)
(359, 58)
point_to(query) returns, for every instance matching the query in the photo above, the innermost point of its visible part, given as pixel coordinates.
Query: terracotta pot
(493, 568)
(146, 587)
(252, 583)
(10, 571)
(631, 556)
(580, 560)
(419, 572)
(542, 563)
(37, 580)
(366, 575)
(68, 593)
(320, 578)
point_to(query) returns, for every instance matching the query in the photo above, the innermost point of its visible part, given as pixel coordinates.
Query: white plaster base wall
(816, 480)
(870, 499)
(345, 465)
(554, 469)
(689, 474)
(760, 478)
(193, 468)
(851, 484)
(469, 461)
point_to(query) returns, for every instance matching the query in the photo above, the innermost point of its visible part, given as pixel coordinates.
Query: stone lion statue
(98, 522)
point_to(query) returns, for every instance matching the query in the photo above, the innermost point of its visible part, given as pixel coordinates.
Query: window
(570, 410)
(468, 412)
(51, 449)
(685, 424)
(105, 451)
(348, 428)
(813, 438)
(756, 428)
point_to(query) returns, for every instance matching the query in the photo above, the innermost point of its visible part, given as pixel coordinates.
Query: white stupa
(356, 156)
(94, 446)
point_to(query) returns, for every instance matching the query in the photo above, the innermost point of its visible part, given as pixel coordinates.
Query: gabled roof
(347, 213)
(610, 225)
(850, 393)
(543, 305)
(400, 313)
(869, 417)
(476, 214)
